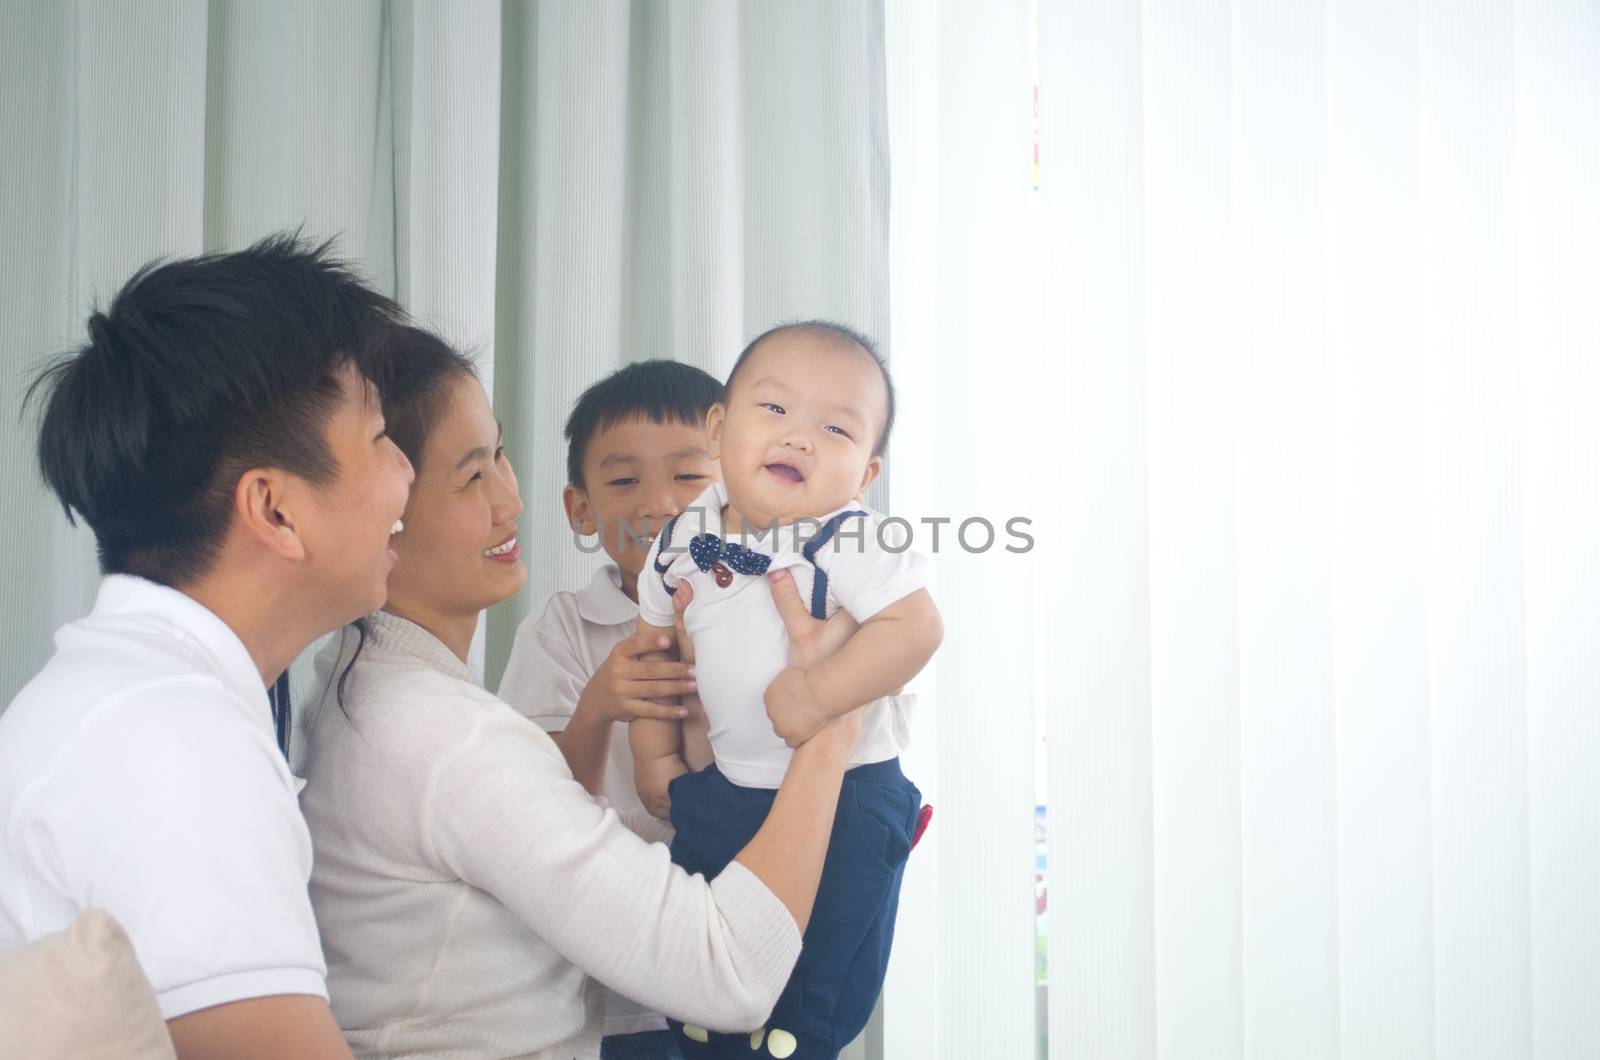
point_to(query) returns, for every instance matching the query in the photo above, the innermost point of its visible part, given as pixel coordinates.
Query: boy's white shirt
(555, 653)
(740, 641)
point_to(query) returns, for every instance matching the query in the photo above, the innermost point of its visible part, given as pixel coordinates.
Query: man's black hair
(201, 369)
(660, 391)
(831, 331)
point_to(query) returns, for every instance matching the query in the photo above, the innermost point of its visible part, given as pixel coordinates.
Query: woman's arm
(786, 854)
(508, 818)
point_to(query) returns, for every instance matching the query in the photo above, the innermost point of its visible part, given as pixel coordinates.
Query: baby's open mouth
(787, 472)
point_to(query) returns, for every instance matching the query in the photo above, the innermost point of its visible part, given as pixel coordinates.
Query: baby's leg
(712, 820)
(696, 735)
(846, 953)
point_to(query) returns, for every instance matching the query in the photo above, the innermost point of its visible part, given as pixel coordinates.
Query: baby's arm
(655, 743)
(696, 725)
(890, 649)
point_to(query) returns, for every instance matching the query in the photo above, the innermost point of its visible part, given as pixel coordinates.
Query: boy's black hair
(660, 391)
(201, 369)
(831, 331)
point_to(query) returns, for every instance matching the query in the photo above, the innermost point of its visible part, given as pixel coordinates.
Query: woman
(470, 892)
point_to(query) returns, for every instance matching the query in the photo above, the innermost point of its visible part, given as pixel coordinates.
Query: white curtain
(1290, 358)
(676, 178)
(559, 187)
(1306, 398)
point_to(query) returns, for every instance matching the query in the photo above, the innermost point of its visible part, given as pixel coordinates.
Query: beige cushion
(80, 994)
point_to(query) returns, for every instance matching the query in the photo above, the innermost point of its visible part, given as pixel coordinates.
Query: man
(222, 435)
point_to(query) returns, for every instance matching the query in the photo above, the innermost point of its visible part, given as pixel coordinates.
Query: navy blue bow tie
(707, 549)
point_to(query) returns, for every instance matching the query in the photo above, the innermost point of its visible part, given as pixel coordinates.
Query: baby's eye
(500, 452)
(837, 430)
(622, 482)
(687, 477)
(775, 408)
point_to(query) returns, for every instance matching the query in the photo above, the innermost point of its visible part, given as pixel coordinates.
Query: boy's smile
(637, 475)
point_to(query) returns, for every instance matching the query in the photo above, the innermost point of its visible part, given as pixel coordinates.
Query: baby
(800, 436)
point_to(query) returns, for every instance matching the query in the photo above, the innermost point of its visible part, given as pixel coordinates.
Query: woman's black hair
(418, 368)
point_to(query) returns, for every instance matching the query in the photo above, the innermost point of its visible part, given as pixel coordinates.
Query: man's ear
(266, 511)
(715, 416)
(579, 515)
(874, 469)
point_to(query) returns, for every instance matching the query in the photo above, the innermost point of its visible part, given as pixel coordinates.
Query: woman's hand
(681, 599)
(810, 641)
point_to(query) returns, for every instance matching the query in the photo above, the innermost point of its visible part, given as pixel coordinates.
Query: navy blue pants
(846, 946)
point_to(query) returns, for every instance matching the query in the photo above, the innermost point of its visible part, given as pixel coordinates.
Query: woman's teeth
(501, 549)
(396, 528)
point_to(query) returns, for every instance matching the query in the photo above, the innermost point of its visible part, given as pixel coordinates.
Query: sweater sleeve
(508, 818)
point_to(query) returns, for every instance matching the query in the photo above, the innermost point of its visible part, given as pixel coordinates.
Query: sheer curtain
(559, 187)
(1290, 360)
(1314, 473)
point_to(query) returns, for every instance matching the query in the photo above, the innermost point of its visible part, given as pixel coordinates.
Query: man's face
(637, 475)
(347, 539)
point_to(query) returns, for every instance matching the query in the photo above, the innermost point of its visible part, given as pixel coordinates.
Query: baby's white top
(739, 640)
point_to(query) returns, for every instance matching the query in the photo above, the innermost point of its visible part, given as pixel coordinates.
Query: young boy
(800, 437)
(636, 455)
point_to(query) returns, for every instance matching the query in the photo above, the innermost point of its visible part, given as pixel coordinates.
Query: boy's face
(638, 474)
(796, 437)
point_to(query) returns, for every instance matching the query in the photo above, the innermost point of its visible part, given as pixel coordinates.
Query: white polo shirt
(555, 653)
(139, 774)
(739, 640)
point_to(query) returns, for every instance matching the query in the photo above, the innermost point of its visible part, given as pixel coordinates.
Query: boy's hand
(651, 777)
(795, 714)
(627, 687)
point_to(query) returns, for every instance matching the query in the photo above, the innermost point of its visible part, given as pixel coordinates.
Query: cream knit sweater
(469, 892)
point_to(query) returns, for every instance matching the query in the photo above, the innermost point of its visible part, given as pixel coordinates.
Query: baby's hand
(626, 686)
(794, 713)
(651, 777)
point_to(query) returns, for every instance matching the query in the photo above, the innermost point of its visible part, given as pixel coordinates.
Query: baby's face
(797, 433)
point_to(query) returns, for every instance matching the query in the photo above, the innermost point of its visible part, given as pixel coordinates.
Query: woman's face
(459, 552)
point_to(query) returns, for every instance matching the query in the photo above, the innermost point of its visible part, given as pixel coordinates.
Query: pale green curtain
(559, 187)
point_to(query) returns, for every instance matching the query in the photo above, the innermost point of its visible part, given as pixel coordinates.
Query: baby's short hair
(831, 331)
(660, 391)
